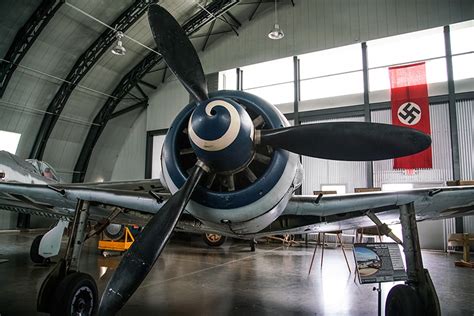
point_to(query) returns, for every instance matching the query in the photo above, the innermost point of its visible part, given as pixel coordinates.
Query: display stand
(379, 298)
(377, 263)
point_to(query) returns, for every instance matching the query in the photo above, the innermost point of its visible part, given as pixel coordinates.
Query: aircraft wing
(306, 214)
(59, 201)
(133, 185)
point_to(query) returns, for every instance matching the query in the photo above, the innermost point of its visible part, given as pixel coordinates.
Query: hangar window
(427, 45)
(462, 48)
(272, 80)
(9, 141)
(228, 79)
(331, 73)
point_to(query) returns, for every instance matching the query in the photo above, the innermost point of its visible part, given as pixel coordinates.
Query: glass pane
(277, 94)
(345, 84)
(435, 72)
(228, 80)
(331, 61)
(406, 48)
(9, 141)
(463, 67)
(271, 72)
(462, 37)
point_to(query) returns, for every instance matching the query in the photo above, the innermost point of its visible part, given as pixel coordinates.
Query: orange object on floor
(121, 245)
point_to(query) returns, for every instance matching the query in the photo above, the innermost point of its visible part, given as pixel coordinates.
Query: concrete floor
(190, 279)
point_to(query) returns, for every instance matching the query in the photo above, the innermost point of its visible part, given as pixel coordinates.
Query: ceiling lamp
(276, 33)
(119, 49)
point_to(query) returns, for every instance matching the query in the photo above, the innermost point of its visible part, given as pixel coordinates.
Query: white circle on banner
(409, 113)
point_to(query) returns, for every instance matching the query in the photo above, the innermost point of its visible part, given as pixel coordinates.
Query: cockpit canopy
(44, 169)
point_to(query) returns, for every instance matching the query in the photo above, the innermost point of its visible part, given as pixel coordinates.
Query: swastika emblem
(409, 113)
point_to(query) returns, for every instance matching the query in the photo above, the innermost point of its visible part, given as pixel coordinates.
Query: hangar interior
(95, 116)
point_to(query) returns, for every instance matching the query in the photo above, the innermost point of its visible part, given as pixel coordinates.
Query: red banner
(410, 108)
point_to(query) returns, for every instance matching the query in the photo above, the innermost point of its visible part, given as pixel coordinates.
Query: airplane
(230, 162)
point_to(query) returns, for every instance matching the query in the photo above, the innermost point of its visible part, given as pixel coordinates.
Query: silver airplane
(230, 165)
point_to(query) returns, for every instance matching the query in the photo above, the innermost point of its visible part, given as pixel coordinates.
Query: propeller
(351, 141)
(146, 249)
(178, 51)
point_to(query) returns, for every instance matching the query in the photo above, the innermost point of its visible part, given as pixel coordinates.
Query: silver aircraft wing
(133, 185)
(308, 213)
(59, 201)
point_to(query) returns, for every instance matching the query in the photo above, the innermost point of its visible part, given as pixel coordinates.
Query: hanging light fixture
(276, 33)
(119, 49)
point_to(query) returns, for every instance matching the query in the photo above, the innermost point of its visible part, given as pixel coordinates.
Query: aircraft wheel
(214, 240)
(76, 294)
(34, 250)
(402, 300)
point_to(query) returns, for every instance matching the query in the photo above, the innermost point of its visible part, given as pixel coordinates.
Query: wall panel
(319, 172)
(465, 120)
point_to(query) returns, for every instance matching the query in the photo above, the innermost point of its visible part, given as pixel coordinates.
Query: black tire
(76, 294)
(402, 300)
(213, 240)
(34, 250)
(114, 231)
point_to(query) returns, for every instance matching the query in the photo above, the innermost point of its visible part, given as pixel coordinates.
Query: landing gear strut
(418, 296)
(65, 291)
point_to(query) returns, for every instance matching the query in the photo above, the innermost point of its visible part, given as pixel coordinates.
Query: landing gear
(402, 300)
(418, 296)
(66, 291)
(76, 295)
(34, 251)
(253, 243)
(214, 240)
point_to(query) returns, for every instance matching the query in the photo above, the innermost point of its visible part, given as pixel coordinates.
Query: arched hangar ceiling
(67, 85)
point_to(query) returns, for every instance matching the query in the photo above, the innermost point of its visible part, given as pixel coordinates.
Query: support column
(453, 123)
(367, 118)
(296, 100)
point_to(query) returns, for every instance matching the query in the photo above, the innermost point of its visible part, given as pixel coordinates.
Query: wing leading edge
(305, 214)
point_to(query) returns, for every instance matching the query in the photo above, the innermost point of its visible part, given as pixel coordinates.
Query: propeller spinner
(223, 137)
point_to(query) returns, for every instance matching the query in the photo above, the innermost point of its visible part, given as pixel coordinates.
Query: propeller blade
(145, 250)
(176, 48)
(350, 141)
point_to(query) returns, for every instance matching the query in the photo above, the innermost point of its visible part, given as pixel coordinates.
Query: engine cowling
(249, 185)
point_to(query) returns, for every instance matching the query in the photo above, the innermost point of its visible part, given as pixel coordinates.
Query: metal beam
(208, 35)
(163, 79)
(297, 89)
(149, 85)
(233, 18)
(367, 118)
(128, 109)
(144, 95)
(205, 35)
(217, 8)
(255, 10)
(25, 38)
(453, 123)
(82, 66)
